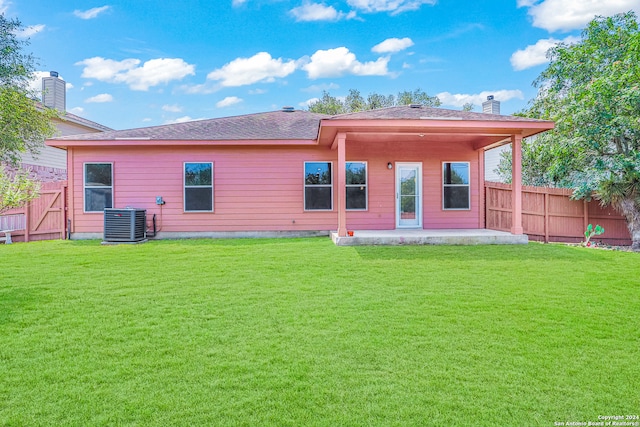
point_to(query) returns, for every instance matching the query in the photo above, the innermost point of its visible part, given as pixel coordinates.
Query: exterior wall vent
(124, 225)
(415, 105)
(288, 109)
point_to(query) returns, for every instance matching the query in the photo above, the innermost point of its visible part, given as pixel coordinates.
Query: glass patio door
(408, 195)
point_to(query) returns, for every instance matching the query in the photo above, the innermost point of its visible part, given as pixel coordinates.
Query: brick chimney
(54, 92)
(491, 106)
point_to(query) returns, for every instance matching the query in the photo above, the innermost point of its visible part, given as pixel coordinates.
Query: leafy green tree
(328, 105)
(468, 106)
(16, 189)
(592, 91)
(375, 101)
(355, 102)
(418, 96)
(24, 125)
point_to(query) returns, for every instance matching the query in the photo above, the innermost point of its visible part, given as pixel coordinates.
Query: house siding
(255, 189)
(262, 188)
(381, 212)
(50, 163)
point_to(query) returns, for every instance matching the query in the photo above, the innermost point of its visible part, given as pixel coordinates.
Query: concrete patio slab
(429, 237)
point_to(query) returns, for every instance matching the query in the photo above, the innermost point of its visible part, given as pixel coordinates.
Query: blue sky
(142, 63)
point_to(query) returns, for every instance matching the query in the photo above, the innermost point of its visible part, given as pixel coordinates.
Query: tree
(23, 124)
(355, 102)
(16, 189)
(592, 91)
(418, 96)
(327, 105)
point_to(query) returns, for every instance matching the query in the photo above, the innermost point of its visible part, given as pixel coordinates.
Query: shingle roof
(84, 122)
(281, 125)
(276, 125)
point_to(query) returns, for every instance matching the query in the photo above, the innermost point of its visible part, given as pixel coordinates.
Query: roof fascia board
(438, 124)
(132, 142)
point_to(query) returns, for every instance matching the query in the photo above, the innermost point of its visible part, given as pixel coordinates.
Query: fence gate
(46, 216)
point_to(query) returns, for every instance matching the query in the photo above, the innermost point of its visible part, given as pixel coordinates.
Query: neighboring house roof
(68, 117)
(304, 127)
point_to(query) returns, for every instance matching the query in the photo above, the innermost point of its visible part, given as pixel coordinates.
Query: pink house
(294, 172)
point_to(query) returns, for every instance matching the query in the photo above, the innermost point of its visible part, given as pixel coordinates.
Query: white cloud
(392, 45)
(308, 102)
(152, 73)
(228, 101)
(4, 5)
(319, 88)
(175, 108)
(147, 120)
(236, 3)
(536, 54)
(319, 12)
(29, 31)
(566, 15)
(459, 99)
(103, 97)
(183, 119)
(35, 84)
(339, 61)
(76, 110)
(261, 67)
(257, 91)
(392, 6)
(201, 89)
(91, 13)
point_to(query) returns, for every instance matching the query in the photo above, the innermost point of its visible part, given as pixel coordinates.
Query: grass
(300, 332)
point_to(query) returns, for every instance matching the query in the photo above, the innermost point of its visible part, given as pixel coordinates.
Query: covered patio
(428, 237)
(426, 140)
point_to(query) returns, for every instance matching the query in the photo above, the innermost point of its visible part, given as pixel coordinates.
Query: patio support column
(341, 140)
(516, 185)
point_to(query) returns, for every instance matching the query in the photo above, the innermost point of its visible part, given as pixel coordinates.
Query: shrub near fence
(549, 215)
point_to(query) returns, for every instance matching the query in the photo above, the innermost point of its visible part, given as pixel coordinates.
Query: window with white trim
(318, 186)
(456, 194)
(356, 186)
(198, 187)
(98, 186)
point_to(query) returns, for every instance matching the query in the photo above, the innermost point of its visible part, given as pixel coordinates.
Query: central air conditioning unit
(124, 225)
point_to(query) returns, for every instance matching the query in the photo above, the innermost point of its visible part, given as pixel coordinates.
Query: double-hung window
(455, 186)
(318, 186)
(198, 187)
(98, 186)
(356, 185)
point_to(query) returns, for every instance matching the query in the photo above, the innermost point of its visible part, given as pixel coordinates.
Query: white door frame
(418, 167)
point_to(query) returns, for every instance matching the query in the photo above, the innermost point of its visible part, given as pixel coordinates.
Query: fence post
(546, 217)
(27, 221)
(585, 213)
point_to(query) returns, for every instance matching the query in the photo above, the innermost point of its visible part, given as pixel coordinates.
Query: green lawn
(295, 332)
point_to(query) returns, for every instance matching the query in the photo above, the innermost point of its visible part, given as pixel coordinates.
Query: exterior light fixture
(389, 165)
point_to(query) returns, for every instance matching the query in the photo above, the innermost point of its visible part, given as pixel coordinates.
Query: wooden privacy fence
(46, 216)
(549, 215)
